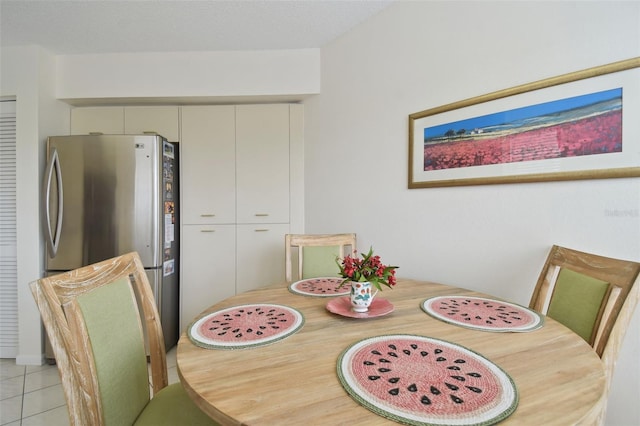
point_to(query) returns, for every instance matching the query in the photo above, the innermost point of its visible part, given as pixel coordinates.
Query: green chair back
(320, 261)
(115, 334)
(576, 302)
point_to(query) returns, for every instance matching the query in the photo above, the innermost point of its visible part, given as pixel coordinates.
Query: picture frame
(576, 126)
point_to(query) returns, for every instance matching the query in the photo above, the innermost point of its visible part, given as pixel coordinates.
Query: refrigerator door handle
(52, 239)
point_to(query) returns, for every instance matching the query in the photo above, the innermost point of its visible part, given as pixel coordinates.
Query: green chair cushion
(172, 406)
(115, 333)
(320, 261)
(576, 301)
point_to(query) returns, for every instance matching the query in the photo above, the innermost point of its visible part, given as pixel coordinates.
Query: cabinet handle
(149, 132)
(262, 214)
(207, 230)
(260, 230)
(207, 215)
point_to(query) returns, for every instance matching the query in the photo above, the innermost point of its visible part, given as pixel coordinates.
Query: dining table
(550, 375)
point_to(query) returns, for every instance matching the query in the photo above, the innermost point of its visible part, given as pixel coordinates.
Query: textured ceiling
(98, 26)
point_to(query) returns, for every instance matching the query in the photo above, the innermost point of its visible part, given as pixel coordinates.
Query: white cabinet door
(207, 149)
(105, 120)
(260, 255)
(208, 268)
(262, 163)
(162, 120)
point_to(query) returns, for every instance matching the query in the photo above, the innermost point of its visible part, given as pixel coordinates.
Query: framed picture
(582, 125)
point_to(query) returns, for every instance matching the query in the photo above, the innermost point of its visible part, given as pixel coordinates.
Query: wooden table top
(559, 377)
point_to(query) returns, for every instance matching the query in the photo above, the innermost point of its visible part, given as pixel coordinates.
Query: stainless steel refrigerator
(106, 195)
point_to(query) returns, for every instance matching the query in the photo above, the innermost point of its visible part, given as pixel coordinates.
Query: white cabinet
(260, 255)
(162, 120)
(208, 268)
(208, 162)
(241, 167)
(105, 120)
(262, 163)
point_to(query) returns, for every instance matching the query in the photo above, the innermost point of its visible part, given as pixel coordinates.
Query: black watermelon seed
(222, 334)
(474, 374)
(383, 370)
(452, 387)
(368, 363)
(454, 367)
(460, 361)
(394, 391)
(392, 354)
(425, 400)
(474, 389)
(406, 351)
(226, 328)
(239, 335)
(376, 352)
(414, 346)
(393, 347)
(259, 333)
(236, 330)
(249, 330)
(438, 351)
(374, 377)
(412, 388)
(275, 327)
(424, 353)
(440, 358)
(456, 399)
(459, 378)
(384, 360)
(394, 380)
(434, 390)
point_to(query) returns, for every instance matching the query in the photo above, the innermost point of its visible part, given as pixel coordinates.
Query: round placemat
(482, 314)
(420, 380)
(245, 326)
(320, 287)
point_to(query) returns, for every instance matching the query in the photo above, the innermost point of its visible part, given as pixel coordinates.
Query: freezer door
(103, 198)
(167, 293)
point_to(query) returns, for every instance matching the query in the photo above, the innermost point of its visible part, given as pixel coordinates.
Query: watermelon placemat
(245, 326)
(320, 287)
(482, 314)
(420, 380)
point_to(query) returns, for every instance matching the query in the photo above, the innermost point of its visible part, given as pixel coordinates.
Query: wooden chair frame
(56, 299)
(309, 240)
(620, 274)
(616, 311)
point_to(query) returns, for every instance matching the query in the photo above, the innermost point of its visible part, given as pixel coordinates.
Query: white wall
(417, 55)
(28, 75)
(189, 74)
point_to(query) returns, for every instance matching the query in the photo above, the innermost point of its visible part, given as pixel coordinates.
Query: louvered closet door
(8, 258)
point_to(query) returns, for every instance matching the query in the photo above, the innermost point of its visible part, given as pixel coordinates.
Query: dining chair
(92, 317)
(595, 296)
(316, 254)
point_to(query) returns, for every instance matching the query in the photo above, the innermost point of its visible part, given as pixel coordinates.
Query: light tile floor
(32, 395)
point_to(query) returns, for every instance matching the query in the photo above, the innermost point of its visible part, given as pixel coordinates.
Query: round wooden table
(560, 379)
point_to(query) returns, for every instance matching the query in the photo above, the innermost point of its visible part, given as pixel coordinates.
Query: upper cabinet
(208, 170)
(105, 120)
(262, 163)
(162, 120)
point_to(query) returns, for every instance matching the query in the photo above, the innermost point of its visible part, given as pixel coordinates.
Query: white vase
(361, 296)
